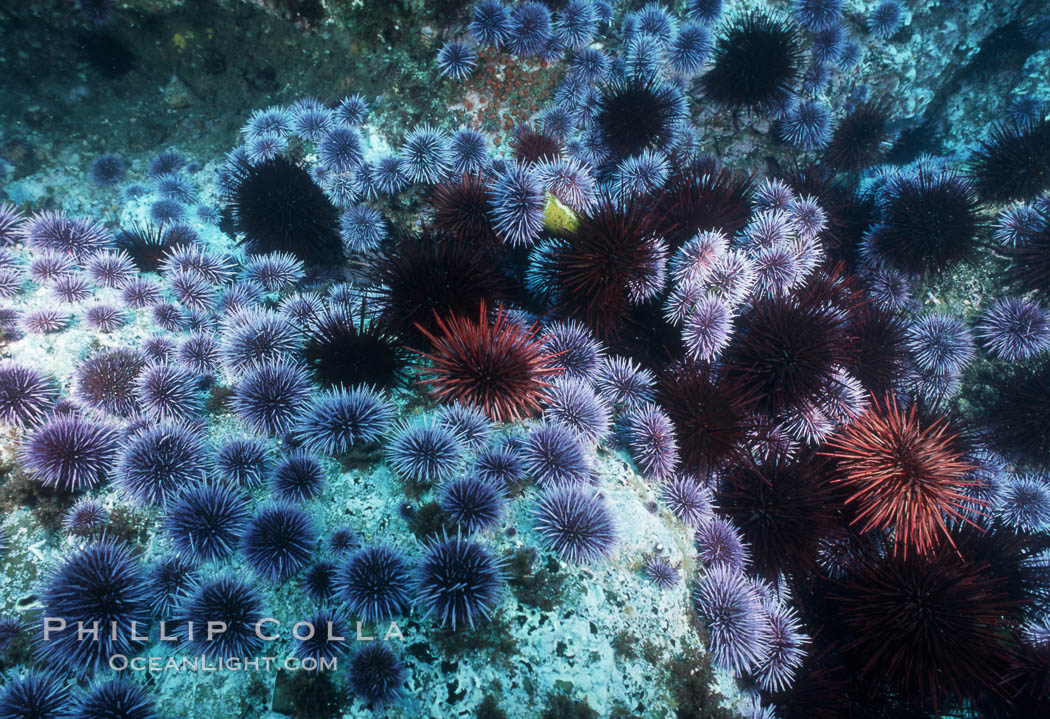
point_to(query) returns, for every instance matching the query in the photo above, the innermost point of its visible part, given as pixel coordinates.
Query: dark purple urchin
(115, 697)
(147, 245)
(278, 541)
(106, 381)
(167, 582)
(461, 207)
(100, 583)
(651, 441)
(298, 477)
(235, 602)
(458, 581)
(205, 521)
(271, 396)
(376, 675)
(712, 414)
(160, 459)
(634, 114)
(280, 209)
(35, 695)
(472, 503)
(689, 500)
(346, 347)
(576, 524)
(86, 517)
(25, 395)
(1013, 163)
(339, 419)
(374, 584)
(756, 64)
(169, 392)
(323, 639)
(930, 630)
(554, 456)
(700, 195)
(1014, 328)
(70, 452)
(424, 451)
(928, 221)
(319, 581)
(243, 461)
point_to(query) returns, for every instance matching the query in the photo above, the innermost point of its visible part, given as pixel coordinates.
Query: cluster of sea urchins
(753, 344)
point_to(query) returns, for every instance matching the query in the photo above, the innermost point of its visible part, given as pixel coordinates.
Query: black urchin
(756, 64)
(635, 114)
(347, 350)
(280, 209)
(860, 138)
(1012, 164)
(929, 221)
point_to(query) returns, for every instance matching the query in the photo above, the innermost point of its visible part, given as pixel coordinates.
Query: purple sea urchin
(71, 453)
(458, 581)
(374, 583)
(576, 524)
(278, 541)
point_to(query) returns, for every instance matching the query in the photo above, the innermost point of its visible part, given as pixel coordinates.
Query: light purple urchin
(787, 648)
(707, 328)
(1024, 504)
(689, 500)
(660, 572)
(718, 543)
(572, 402)
(651, 440)
(737, 624)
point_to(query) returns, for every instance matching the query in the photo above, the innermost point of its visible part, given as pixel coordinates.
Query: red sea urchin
(613, 261)
(929, 629)
(497, 365)
(904, 474)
